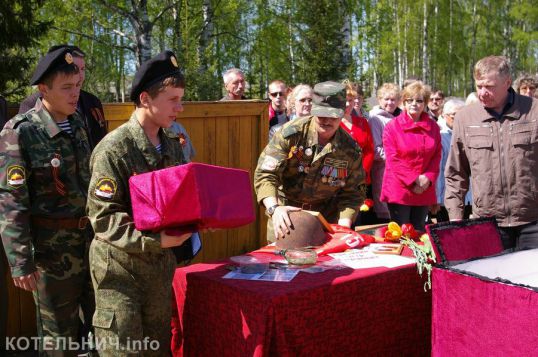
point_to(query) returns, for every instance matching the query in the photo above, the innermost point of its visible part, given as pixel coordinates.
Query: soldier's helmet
(306, 231)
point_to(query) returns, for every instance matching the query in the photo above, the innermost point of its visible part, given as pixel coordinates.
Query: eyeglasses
(305, 100)
(433, 99)
(276, 94)
(410, 101)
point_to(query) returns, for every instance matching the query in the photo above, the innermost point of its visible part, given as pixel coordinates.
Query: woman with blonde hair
(388, 96)
(412, 144)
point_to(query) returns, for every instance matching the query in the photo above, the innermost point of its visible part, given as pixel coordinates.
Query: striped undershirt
(65, 126)
(158, 147)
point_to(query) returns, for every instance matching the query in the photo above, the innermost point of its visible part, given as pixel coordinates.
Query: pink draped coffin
(474, 315)
(192, 197)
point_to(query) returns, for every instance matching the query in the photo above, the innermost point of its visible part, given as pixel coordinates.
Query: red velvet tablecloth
(377, 311)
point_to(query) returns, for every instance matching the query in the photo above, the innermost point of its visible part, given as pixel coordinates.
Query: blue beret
(154, 70)
(52, 62)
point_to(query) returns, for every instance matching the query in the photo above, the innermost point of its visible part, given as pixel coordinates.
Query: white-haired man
(234, 82)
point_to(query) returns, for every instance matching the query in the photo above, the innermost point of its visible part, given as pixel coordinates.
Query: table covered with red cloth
(375, 311)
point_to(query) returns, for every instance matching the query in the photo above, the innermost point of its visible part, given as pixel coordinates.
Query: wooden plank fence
(230, 134)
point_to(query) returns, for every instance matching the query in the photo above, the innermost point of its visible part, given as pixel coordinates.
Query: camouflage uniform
(132, 275)
(294, 168)
(44, 178)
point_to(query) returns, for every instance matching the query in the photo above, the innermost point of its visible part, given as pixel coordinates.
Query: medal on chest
(334, 172)
(303, 156)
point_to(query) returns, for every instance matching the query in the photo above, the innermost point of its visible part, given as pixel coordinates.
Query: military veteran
(44, 178)
(132, 270)
(313, 164)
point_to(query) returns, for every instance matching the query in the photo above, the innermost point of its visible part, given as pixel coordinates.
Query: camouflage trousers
(63, 290)
(133, 295)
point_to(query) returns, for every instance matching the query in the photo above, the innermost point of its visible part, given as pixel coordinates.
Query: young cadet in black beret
(89, 106)
(132, 270)
(44, 178)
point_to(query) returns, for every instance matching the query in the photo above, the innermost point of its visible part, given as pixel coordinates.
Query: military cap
(52, 62)
(76, 51)
(306, 231)
(154, 70)
(329, 100)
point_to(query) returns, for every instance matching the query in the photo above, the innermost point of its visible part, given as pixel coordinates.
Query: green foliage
(424, 256)
(296, 41)
(19, 32)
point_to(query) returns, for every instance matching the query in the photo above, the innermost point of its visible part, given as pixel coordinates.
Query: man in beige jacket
(495, 144)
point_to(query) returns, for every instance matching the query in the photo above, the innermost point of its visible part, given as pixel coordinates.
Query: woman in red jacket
(356, 125)
(412, 145)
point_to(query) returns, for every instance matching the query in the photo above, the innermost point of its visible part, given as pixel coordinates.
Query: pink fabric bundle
(192, 197)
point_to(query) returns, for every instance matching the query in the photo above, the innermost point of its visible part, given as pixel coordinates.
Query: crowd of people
(65, 212)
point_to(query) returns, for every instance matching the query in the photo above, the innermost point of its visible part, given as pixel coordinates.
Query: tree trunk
(425, 63)
(207, 30)
(346, 36)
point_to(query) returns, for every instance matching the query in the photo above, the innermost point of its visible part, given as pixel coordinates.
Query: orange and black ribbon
(60, 187)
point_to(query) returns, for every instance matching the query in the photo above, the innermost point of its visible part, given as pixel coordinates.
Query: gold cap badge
(174, 61)
(68, 58)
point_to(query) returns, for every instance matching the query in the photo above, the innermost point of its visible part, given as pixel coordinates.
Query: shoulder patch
(269, 163)
(16, 176)
(289, 131)
(105, 188)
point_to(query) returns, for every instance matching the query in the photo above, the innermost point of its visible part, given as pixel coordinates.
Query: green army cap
(329, 100)
(53, 61)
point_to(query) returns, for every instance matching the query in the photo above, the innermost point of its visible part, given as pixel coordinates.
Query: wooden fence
(230, 134)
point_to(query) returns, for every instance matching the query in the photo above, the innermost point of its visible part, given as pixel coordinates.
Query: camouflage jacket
(124, 152)
(295, 167)
(44, 172)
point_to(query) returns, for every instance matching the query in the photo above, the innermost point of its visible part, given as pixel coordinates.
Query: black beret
(74, 49)
(52, 62)
(154, 70)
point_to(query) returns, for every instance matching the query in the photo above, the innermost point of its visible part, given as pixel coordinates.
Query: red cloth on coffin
(466, 239)
(474, 317)
(194, 195)
(362, 312)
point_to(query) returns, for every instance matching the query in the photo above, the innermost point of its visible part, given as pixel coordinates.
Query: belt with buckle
(314, 206)
(61, 223)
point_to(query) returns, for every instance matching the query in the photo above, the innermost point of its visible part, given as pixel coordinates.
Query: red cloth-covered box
(192, 197)
(484, 301)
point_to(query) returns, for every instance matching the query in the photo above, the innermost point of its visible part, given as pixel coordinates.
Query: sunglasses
(433, 99)
(276, 94)
(410, 101)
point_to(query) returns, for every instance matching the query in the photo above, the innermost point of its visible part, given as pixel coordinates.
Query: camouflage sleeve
(352, 195)
(109, 208)
(15, 204)
(271, 164)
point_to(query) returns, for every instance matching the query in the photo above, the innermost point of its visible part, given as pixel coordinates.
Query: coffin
(485, 301)
(192, 197)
